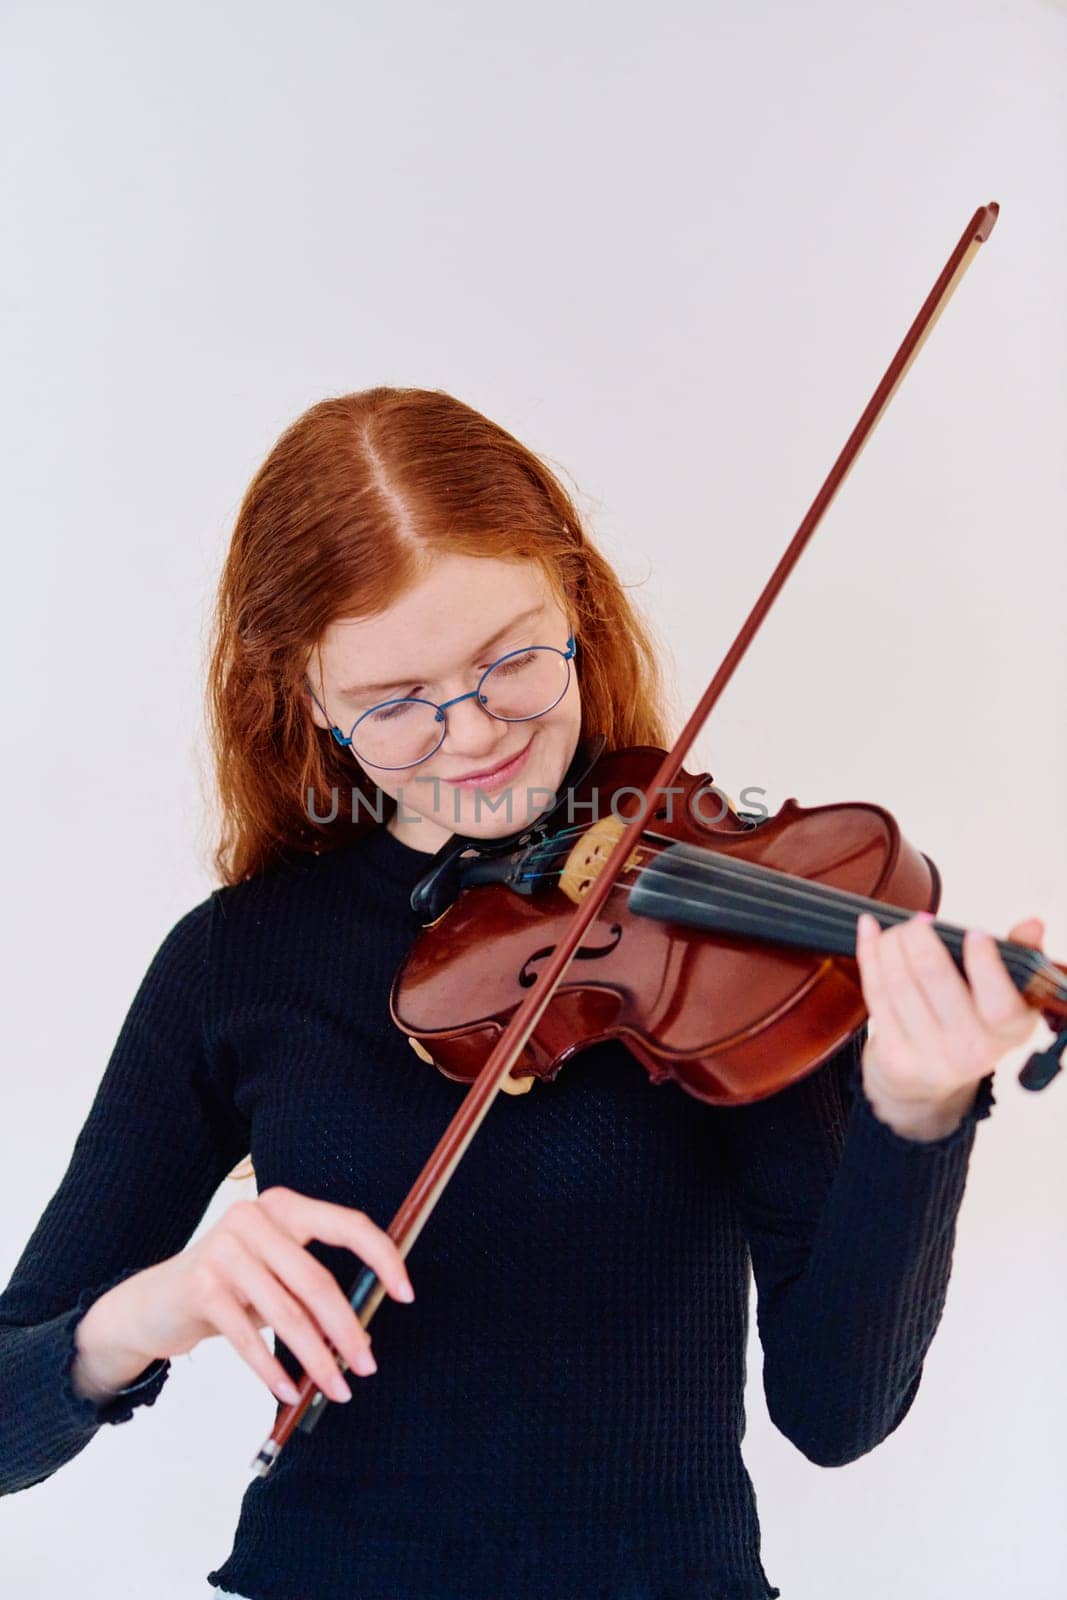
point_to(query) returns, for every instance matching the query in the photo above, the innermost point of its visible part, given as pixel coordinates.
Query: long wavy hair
(356, 497)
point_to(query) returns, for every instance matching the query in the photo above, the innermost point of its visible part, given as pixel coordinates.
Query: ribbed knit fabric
(559, 1414)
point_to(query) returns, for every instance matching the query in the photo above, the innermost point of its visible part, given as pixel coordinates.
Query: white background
(673, 249)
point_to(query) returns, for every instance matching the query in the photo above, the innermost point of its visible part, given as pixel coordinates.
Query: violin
(723, 957)
(719, 949)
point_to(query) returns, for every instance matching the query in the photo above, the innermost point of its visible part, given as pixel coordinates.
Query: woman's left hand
(935, 1034)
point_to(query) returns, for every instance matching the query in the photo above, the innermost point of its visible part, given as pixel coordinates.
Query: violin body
(729, 1017)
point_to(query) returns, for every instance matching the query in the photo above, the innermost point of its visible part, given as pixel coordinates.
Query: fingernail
(404, 1291)
(924, 916)
(289, 1393)
(340, 1390)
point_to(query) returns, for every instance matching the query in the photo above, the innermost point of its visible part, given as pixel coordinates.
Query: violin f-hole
(527, 976)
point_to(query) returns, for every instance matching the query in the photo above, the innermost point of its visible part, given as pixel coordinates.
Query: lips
(498, 774)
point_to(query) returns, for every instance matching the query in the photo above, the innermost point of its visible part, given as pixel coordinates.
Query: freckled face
(431, 643)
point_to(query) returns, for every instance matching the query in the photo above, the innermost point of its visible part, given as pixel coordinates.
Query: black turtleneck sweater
(559, 1414)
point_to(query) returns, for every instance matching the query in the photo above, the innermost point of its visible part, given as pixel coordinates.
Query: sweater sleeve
(851, 1228)
(160, 1136)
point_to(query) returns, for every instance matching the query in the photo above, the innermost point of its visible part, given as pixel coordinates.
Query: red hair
(355, 499)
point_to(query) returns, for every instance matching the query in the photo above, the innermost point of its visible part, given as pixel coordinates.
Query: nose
(471, 730)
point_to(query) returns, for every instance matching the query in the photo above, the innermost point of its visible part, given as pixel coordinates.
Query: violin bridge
(589, 855)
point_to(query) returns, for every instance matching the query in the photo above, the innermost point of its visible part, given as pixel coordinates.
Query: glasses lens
(525, 684)
(401, 733)
(397, 734)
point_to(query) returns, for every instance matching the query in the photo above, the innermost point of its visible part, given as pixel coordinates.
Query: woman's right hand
(248, 1271)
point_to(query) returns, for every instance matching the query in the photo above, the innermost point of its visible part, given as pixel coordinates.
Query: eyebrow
(375, 688)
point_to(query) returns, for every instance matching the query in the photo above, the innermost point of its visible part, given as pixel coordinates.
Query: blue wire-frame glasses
(520, 686)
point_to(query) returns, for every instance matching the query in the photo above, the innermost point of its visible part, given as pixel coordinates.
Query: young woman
(409, 606)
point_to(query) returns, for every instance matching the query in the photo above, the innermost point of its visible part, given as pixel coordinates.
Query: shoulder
(301, 883)
(296, 913)
(175, 980)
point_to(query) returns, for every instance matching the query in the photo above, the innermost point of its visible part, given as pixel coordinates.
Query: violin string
(1025, 965)
(1017, 962)
(793, 892)
(801, 892)
(1030, 966)
(817, 903)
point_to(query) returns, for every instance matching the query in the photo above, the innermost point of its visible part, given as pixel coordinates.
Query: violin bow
(409, 1221)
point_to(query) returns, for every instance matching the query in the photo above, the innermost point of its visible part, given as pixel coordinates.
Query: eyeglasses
(522, 685)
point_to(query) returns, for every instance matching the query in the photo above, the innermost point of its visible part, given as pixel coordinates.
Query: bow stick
(430, 1184)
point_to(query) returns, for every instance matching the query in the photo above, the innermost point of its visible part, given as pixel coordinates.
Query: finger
(309, 1281)
(883, 1020)
(1030, 932)
(914, 1015)
(234, 1324)
(306, 1218)
(998, 1001)
(873, 983)
(258, 1287)
(944, 989)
